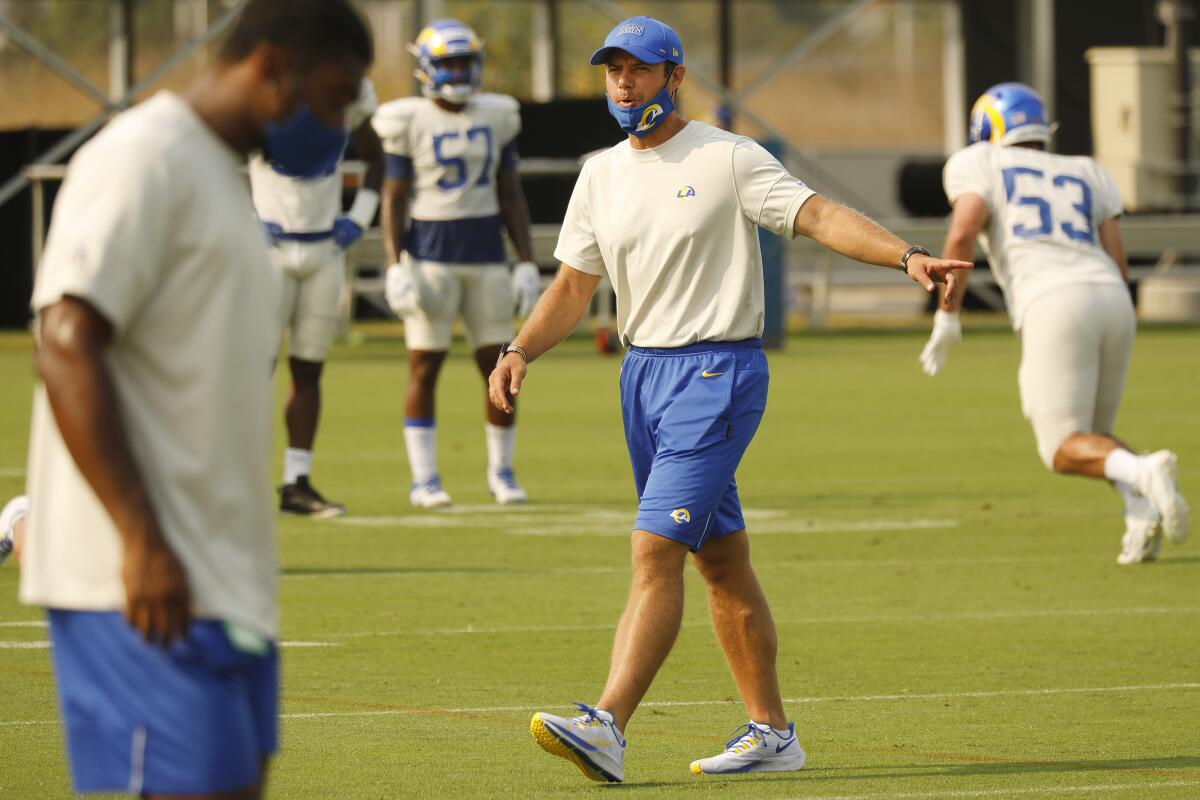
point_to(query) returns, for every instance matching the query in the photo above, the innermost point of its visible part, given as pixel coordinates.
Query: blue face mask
(640, 120)
(302, 146)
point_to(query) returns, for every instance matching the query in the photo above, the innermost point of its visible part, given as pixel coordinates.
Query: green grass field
(952, 620)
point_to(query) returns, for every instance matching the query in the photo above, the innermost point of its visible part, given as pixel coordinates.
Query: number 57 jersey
(452, 158)
(1045, 212)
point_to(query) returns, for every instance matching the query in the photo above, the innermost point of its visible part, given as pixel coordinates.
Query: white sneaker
(429, 494)
(504, 487)
(1142, 539)
(1158, 482)
(13, 510)
(755, 748)
(590, 742)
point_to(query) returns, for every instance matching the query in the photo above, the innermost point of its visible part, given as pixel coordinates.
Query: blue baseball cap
(645, 38)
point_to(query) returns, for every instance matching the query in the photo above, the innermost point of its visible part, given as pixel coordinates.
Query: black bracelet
(514, 348)
(909, 253)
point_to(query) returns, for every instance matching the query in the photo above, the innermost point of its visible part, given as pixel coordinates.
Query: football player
(309, 236)
(1049, 225)
(451, 187)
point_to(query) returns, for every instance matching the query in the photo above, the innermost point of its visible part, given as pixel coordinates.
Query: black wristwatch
(909, 253)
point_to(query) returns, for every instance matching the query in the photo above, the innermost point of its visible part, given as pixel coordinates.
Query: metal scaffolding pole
(66, 146)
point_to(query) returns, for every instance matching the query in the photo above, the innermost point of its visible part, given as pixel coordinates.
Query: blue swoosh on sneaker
(563, 732)
(779, 748)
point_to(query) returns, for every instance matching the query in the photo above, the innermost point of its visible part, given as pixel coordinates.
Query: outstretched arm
(554, 317)
(515, 212)
(393, 215)
(850, 234)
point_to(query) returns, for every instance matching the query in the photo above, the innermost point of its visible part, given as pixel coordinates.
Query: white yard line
(24, 623)
(45, 645)
(568, 521)
(1049, 789)
(865, 698)
(869, 698)
(468, 630)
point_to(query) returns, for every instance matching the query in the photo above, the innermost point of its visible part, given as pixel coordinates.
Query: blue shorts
(196, 718)
(690, 413)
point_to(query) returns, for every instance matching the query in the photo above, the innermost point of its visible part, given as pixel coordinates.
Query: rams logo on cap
(681, 516)
(650, 117)
(685, 191)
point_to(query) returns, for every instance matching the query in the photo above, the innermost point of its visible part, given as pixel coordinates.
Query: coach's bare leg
(485, 360)
(424, 366)
(649, 624)
(303, 407)
(1084, 454)
(744, 625)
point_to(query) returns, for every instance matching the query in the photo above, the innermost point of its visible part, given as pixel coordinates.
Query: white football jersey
(306, 205)
(1045, 212)
(455, 155)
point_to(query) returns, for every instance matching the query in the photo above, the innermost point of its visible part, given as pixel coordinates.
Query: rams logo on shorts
(681, 516)
(650, 117)
(685, 191)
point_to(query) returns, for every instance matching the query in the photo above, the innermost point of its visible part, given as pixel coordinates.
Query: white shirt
(675, 227)
(455, 154)
(1044, 220)
(307, 205)
(154, 228)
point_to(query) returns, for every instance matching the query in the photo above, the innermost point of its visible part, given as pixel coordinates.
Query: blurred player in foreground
(672, 215)
(151, 541)
(1050, 227)
(302, 213)
(14, 518)
(454, 151)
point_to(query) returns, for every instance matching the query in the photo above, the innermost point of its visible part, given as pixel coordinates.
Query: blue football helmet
(440, 40)
(1009, 113)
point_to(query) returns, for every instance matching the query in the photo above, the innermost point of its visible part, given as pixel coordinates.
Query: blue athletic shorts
(196, 718)
(690, 413)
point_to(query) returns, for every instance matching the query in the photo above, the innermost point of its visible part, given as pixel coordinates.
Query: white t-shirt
(455, 155)
(676, 229)
(307, 205)
(1044, 220)
(155, 229)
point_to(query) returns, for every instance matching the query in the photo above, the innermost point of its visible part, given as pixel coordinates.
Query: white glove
(946, 331)
(402, 288)
(527, 283)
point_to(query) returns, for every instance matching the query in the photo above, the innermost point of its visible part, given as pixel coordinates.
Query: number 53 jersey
(452, 158)
(1045, 212)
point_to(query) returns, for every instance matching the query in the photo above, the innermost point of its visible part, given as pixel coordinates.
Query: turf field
(953, 623)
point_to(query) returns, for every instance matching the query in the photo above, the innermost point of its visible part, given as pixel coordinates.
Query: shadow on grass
(954, 770)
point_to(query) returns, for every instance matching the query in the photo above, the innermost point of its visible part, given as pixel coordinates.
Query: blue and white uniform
(154, 229)
(675, 229)
(300, 210)
(455, 233)
(1065, 294)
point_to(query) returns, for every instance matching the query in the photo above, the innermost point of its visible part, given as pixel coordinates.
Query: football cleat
(504, 487)
(590, 742)
(438, 43)
(13, 510)
(755, 748)
(1143, 537)
(429, 494)
(1158, 482)
(302, 499)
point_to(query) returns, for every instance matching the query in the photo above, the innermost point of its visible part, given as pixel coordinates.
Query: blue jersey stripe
(457, 241)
